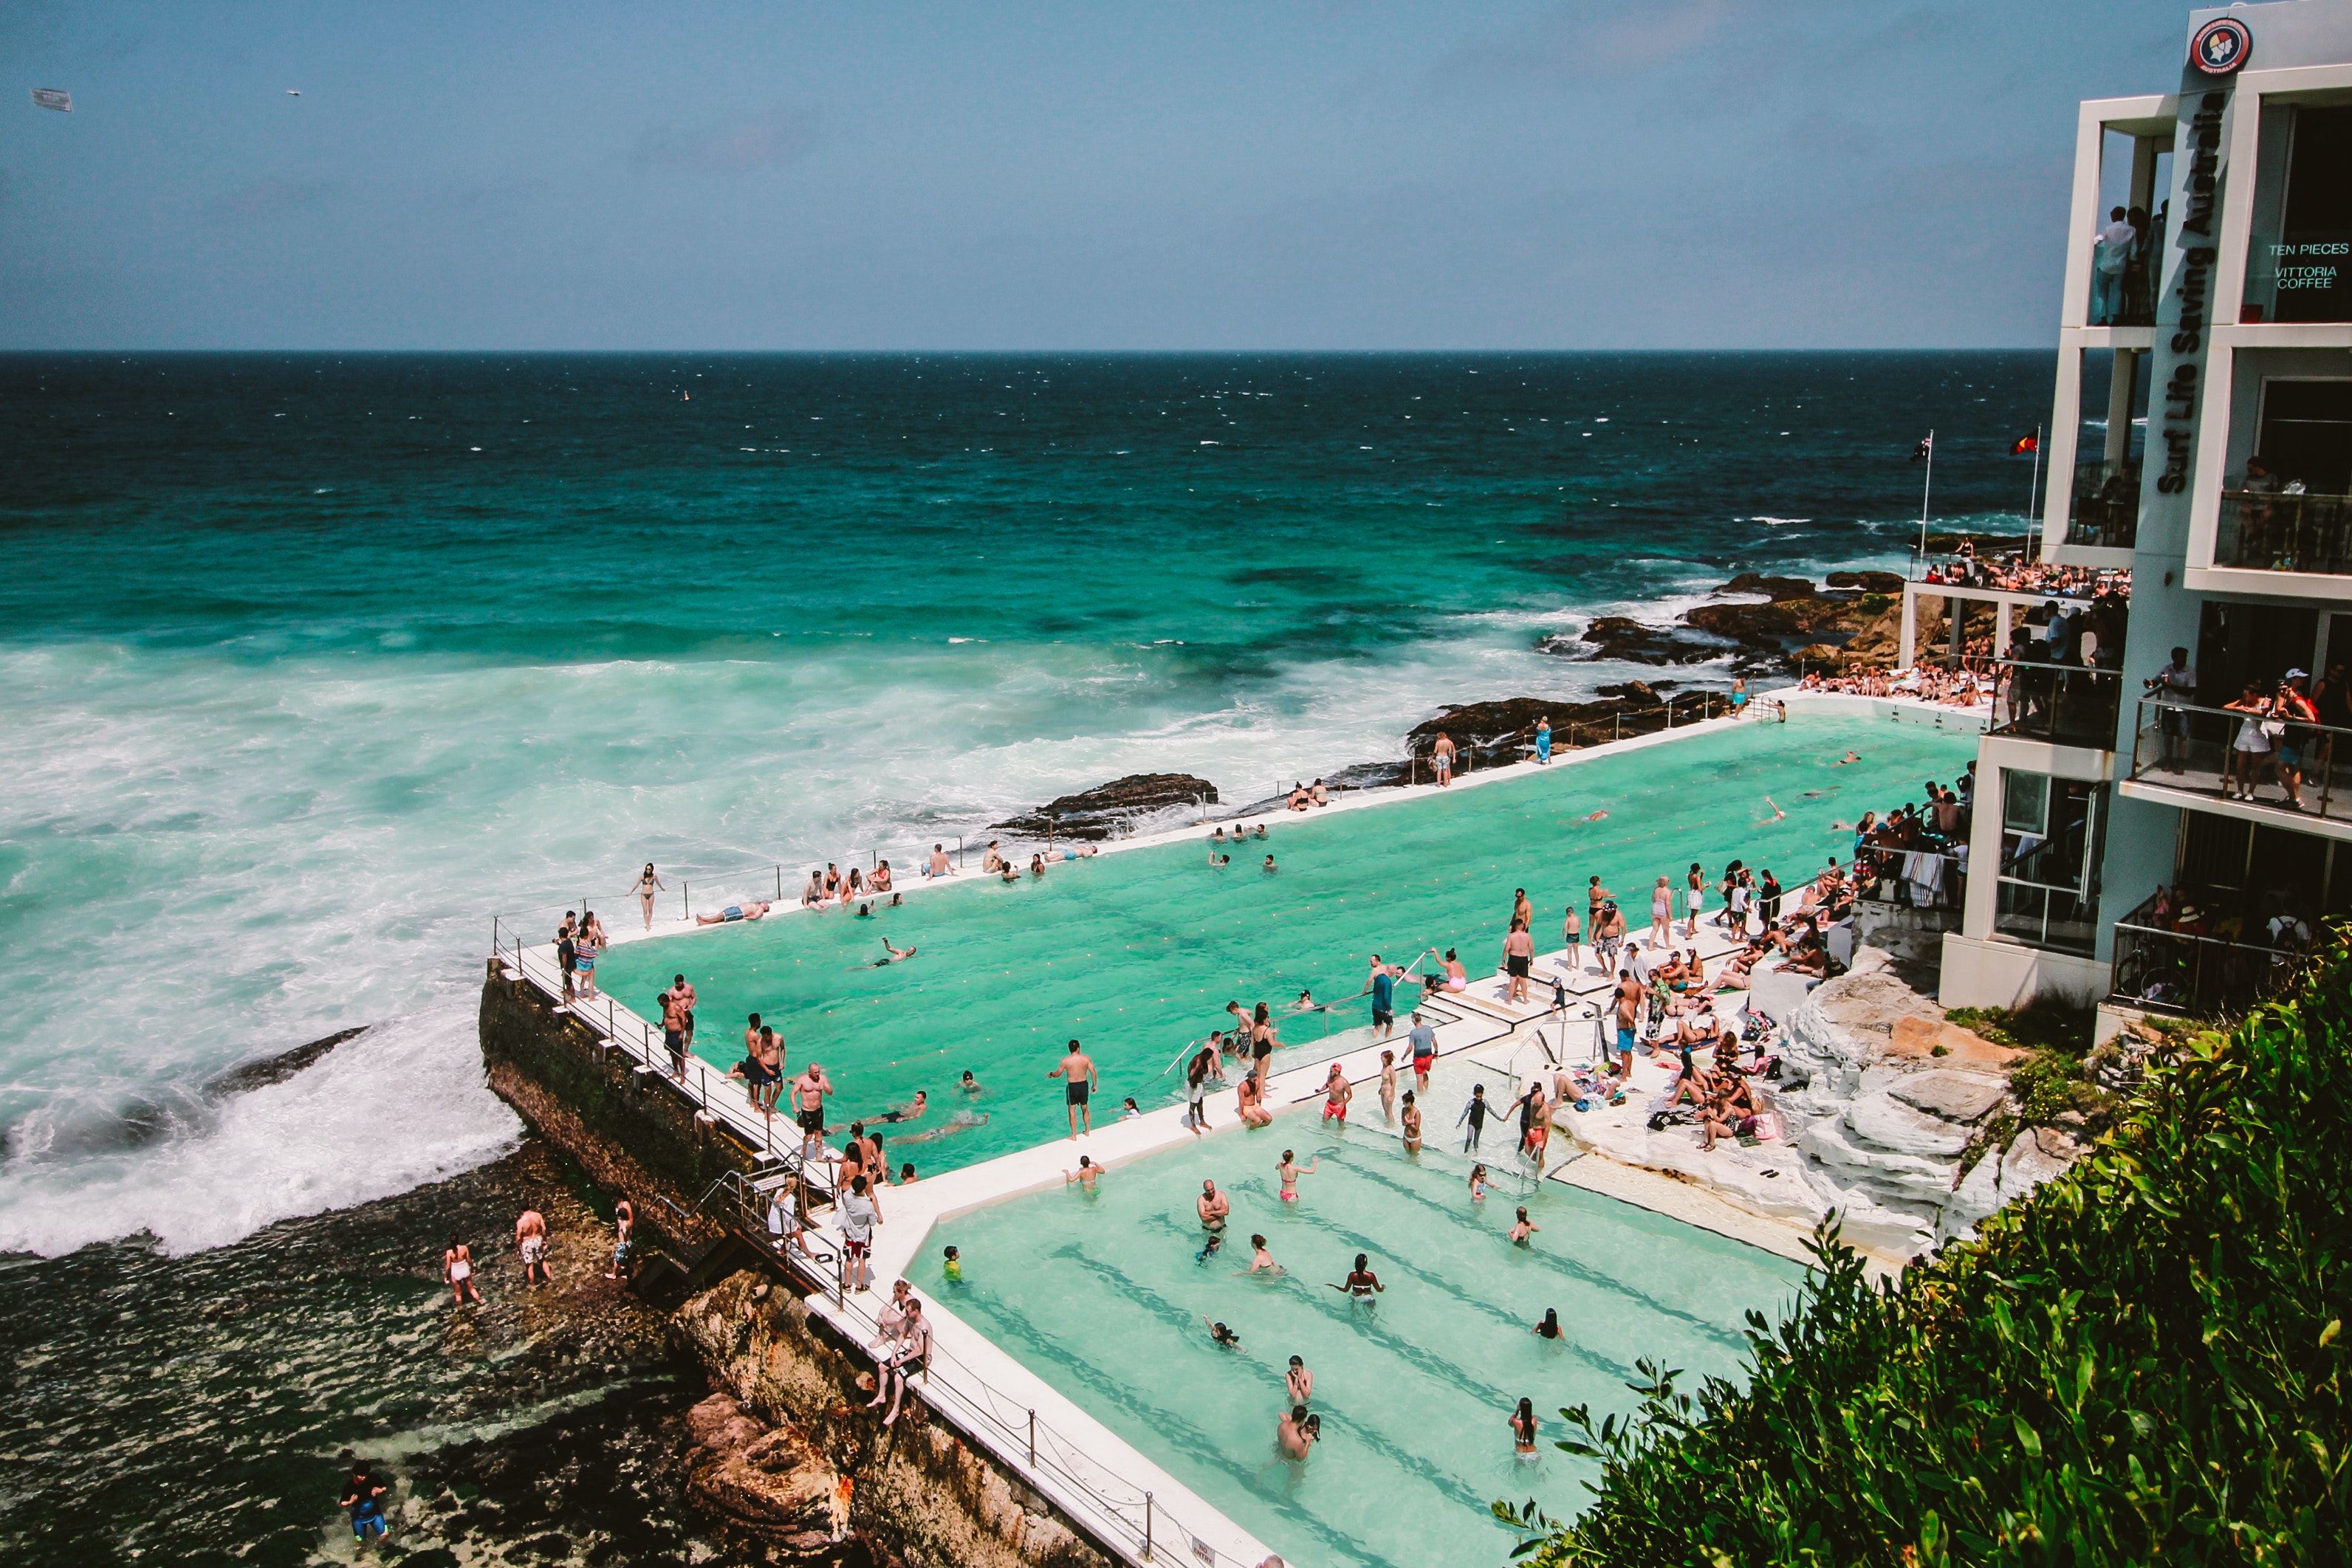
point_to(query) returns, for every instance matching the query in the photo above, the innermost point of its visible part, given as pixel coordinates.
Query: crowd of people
(2017, 574)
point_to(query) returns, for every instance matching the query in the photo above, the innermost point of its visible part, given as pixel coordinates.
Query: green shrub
(2141, 1361)
(2042, 1027)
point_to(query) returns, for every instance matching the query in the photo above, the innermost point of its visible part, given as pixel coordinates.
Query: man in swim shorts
(1077, 1071)
(673, 1017)
(1382, 985)
(1423, 1041)
(809, 1090)
(1337, 1093)
(755, 910)
(530, 1240)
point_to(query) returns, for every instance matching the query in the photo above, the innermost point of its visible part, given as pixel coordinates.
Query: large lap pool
(1102, 1296)
(1135, 953)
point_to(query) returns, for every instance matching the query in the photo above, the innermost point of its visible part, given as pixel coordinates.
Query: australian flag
(1926, 449)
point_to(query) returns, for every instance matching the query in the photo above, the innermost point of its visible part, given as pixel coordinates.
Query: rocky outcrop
(1621, 638)
(916, 1488)
(1867, 581)
(763, 1480)
(1896, 1120)
(1774, 588)
(1108, 809)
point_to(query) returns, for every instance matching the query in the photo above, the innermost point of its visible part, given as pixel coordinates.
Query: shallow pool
(1135, 953)
(1104, 1298)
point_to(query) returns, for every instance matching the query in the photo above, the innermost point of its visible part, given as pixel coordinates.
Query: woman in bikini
(1523, 1429)
(1250, 1101)
(1458, 979)
(1477, 1183)
(587, 948)
(1662, 914)
(1694, 903)
(1290, 1173)
(1388, 1087)
(1412, 1124)
(647, 884)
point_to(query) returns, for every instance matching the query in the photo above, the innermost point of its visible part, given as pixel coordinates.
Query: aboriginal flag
(2026, 444)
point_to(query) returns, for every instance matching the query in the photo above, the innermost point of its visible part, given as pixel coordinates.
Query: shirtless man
(809, 1090)
(891, 956)
(1293, 1437)
(755, 910)
(530, 1240)
(673, 1015)
(770, 1054)
(1213, 1207)
(1629, 1013)
(1609, 935)
(937, 865)
(1337, 1093)
(1079, 1076)
(1519, 959)
(1441, 757)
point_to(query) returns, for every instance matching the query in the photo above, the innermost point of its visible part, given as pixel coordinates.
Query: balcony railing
(2163, 967)
(2288, 531)
(2070, 704)
(2105, 513)
(2306, 276)
(2302, 768)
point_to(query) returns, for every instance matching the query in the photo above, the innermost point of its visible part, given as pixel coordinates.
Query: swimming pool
(1138, 952)
(1103, 1297)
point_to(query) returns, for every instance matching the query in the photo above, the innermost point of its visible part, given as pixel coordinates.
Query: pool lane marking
(1187, 1435)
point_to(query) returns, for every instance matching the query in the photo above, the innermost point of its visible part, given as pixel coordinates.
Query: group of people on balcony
(2283, 525)
(2121, 281)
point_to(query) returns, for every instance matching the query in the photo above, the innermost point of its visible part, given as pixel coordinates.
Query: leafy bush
(2142, 1361)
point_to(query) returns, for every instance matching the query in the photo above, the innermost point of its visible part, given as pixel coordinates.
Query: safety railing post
(1147, 1527)
(1033, 1440)
(686, 895)
(780, 882)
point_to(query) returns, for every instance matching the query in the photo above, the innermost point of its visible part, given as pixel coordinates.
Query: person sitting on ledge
(751, 911)
(880, 881)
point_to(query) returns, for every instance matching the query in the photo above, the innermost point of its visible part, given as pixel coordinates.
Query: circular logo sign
(2221, 47)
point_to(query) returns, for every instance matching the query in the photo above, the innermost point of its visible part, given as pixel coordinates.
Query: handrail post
(1033, 1440)
(1147, 1527)
(686, 895)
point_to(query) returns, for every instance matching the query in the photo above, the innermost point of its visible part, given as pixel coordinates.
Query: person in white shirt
(2171, 687)
(2111, 250)
(859, 1215)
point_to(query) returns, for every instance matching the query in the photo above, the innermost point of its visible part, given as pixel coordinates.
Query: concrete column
(2119, 404)
(1984, 848)
(2000, 630)
(1910, 627)
(1959, 609)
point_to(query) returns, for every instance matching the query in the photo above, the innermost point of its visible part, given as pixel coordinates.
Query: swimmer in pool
(969, 1084)
(911, 1110)
(1849, 756)
(961, 1121)
(1209, 1248)
(1523, 1232)
(1410, 1120)
(891, 956)
(1088, 1173)
(1298, 1382)
(1261, 1260)
(1222, 1337)
(1213, 1207)
(1593, 816)
(1778, 814)
(1290, 1173)
(1361, 1283)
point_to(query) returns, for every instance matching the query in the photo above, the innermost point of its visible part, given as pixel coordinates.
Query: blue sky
(1682, 173)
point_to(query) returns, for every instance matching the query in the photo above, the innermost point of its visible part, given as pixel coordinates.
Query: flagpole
(2032, 488)
(1924, 484)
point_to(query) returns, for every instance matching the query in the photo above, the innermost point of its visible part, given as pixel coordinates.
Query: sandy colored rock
(1950, 1096)
(1916, 1038)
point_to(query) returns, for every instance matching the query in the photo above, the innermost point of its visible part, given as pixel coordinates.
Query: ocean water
(312, 662)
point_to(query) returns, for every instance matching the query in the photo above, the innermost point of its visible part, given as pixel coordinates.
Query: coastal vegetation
(2141, 1361)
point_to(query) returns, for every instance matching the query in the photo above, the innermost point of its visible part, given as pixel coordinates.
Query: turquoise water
(1102, 1297)
(312, 661)
(1138, 952)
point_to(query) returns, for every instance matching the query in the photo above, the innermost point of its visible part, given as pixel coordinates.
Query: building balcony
(2066, 705)
(2106, 512)
(2167, 963)
(2264, 531)
(2191, 758)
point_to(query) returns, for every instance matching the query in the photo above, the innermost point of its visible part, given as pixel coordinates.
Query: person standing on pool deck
(1197, 1075)
(1290, 1173)
(1661, 915)
(1381, 983)
(675, 1009)
(1543, 742)
(809, 1090)
(648, 883)
(1441, 757)
(859, 1217)
(1629, 1013)
(1412, 1124)
(1694, 902)
(1474, 1117)
(567, 956)
(1077, 1071)
(1388, 1087)
(1571, 936)
(1423, 1041)
(1519, 959)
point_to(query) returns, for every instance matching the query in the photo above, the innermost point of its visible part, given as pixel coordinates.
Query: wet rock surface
(1107, 809)
(1624, 638)
(205, 1409)
(1795, 623)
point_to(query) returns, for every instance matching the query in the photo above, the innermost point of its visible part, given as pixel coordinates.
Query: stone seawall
(634, 1131)
(792, 1424)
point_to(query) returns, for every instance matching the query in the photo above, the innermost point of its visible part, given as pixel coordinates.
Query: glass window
(2049, 846)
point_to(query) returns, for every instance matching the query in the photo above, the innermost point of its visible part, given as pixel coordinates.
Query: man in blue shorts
(367, 1513)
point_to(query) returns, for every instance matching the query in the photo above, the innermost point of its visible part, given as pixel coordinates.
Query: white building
(2204, 419)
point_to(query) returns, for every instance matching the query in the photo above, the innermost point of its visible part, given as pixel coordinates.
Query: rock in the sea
(1776, 588)
(1868, 582)
(1108, 809)
(1621, 638)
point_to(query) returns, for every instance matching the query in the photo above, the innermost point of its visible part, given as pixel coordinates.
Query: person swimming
(1221, 1336)
(961, 1121)
(1261, 1260)
(891, 956)
(1523, 1231)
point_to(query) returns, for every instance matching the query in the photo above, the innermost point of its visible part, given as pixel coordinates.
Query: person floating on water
(891, 955)
(961, 1121)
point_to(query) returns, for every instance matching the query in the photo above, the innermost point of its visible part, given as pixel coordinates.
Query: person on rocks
(530, 1240)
